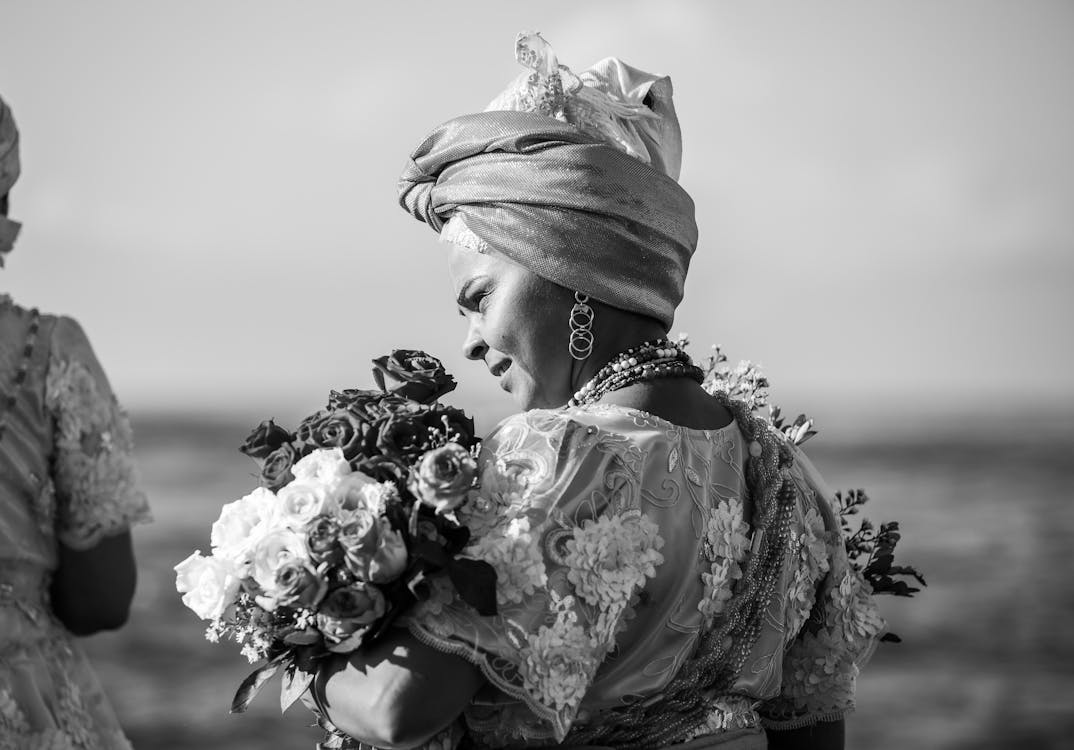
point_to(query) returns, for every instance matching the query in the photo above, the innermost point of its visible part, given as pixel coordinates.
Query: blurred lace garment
(621, 543)
(66, 475)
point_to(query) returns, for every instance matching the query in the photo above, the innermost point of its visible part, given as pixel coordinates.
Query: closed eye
(472, 295)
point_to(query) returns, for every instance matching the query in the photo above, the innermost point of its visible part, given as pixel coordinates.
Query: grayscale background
(885, 195)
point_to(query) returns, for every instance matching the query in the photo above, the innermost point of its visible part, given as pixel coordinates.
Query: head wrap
(570, 181)
(9, 172)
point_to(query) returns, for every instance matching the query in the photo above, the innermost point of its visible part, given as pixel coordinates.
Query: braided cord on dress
(722, 651)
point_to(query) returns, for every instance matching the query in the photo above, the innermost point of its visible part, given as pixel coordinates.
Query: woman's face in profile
(517, 324)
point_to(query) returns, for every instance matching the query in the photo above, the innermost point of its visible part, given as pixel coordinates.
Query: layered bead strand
(22, 371)
(653, 359)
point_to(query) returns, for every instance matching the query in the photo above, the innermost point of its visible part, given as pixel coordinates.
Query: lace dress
(624, 547)
(66, 476)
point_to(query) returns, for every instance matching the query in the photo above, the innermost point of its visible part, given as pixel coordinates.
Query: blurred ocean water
(986, 659)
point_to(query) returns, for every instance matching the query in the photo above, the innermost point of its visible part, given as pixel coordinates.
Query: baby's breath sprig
(744, 382)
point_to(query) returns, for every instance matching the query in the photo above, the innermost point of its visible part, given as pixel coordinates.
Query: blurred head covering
(9, 172)
(572, 176)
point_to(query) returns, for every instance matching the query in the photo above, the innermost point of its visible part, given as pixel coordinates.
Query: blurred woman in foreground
(68, 496)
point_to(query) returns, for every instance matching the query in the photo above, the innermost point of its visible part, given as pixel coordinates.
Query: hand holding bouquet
(354, 512)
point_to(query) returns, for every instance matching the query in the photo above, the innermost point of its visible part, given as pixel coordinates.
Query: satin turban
(561, 203)
(9, 149)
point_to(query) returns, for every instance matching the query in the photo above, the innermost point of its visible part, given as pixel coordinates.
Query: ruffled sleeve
(827, 648)
(93, 469)
(557, 515)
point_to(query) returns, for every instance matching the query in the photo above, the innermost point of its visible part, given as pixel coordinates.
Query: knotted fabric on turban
(9, 149)
(561, 203)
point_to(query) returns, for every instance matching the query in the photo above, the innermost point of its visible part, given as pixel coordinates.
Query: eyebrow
(460, 300)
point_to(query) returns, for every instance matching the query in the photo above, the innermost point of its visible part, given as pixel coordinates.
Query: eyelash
(477, 300)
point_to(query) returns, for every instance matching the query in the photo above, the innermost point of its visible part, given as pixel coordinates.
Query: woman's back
(67, 482)
(607, 648)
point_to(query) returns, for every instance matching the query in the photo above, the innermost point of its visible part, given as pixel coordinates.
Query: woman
(68, 496)
(670, 573)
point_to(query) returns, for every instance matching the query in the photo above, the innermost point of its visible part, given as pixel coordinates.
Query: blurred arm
(396, 694)
(92, 588)
(824, 735)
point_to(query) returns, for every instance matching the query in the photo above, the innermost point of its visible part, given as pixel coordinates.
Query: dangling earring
(581, 345)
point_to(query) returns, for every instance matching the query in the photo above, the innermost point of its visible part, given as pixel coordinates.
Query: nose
(474, 347)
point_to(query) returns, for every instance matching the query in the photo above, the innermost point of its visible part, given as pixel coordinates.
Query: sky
(885, 191)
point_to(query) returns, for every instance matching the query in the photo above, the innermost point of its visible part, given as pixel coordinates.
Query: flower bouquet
(355, 510)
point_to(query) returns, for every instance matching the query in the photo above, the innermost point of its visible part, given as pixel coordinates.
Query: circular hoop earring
(581, 324)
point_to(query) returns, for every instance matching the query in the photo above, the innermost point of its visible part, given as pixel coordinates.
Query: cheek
(540, 342)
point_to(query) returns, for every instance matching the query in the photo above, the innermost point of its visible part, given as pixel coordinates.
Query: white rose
(208, 585)
(358, 491)
(300, 502)
(323, 466)
(272, 551)
(231, 534)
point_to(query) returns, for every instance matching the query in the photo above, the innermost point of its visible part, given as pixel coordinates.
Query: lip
(500, 370)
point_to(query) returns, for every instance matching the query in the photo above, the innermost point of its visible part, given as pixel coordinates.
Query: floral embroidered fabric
(619, 539)
(66, 476)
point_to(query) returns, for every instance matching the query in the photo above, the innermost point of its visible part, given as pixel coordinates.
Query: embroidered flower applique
(726, 542)
(512, 550)
(608, 558)
(854, 612)
(94, 469)
(11, 717)
(821, 675)
(812, 564)
(560, 659)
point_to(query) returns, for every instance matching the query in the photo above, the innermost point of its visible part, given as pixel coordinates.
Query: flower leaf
(475, 580)
(305, 637)
(297, 677)
(431, 552)
(252, 685)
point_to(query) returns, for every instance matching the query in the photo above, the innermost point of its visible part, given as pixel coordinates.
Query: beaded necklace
(23, 369)
(662, 358)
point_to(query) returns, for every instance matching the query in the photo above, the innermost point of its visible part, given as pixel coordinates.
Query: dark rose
(383, 469)
(321, 538)
(276, 471)
(266, 437)
(454, 423)
(412, 374)
(339, 428)
(372, 549)
(403, 436)
(443, 477)
(364, 404)
(296, 585)
(358, 538)
(343, 399)
(370, 406)
(346, 614)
